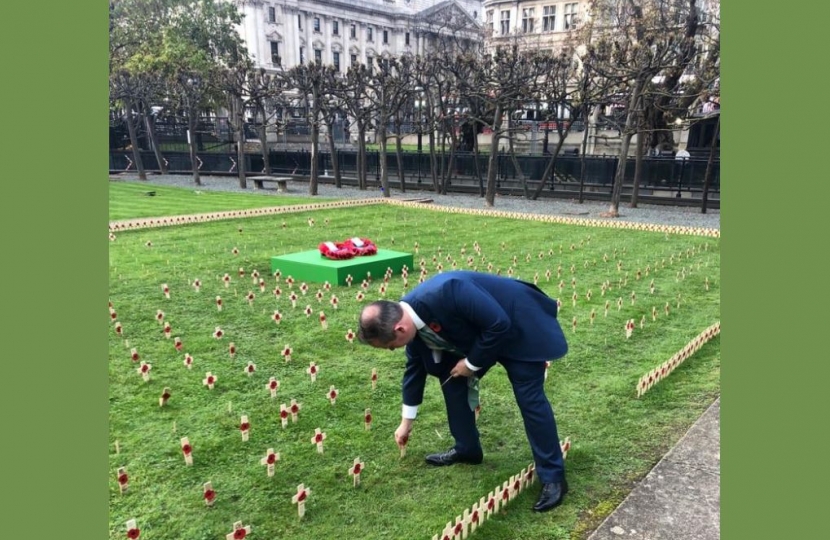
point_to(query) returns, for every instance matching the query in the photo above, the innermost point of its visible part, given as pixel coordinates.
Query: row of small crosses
(486, 507)
(662, 371)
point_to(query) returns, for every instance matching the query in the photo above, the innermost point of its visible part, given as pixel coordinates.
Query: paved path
(680, 498)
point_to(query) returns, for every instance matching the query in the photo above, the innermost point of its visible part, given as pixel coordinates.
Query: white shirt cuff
(470, 366)
(409, 412)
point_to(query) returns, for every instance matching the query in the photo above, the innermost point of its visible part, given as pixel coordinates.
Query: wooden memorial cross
(323, 321)
(232, 350)
(165, 395)
(312, 371)
(144, 371)
(244, 427)
(334, 301)
(123, 480)
(168, 330)
(250, 369)
(270, 460)
(350, 336)
(284, 415)
(286, 353)
(209, 380)
(318, 439)
(208, 494)
(160, 316)
(294, 410)
(239, 532)
(273, 385)
(367, 419)
(307, 311)
(188, 361)
(187, 451)
(332, 394)
(177, 343)
(218, 333)
(166, 290)
(219, 303)
(133, 531)
(374, 378)
(355, 470)
(300, 498)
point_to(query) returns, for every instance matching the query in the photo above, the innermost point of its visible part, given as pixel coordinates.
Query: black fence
(662, 177)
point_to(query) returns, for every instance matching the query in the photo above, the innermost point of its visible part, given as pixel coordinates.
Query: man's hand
(461, 369)
(403, 431)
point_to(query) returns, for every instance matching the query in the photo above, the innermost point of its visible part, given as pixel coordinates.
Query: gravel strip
(681, 216)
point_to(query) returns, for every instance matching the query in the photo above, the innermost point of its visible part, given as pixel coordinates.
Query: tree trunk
(475, 158)
(492, 166)
(315, 154)
(139, 164)
(627, 132)
(708, 175)
(582, 156)
(433, 165)
(638, 170)
(263, 140)
(151, 135)
(361, 155)
(191, 145)
(399, 154)
(384, 169)
(551, 166)
(512, 151)
(335, 166)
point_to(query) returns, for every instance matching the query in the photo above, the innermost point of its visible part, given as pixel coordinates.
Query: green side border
(54, 217)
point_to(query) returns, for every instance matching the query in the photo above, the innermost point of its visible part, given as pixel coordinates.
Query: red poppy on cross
(208, 494)
(250, 368)
(123, 479)
(165, 395)
(318, 439)
(244, 427)
(312, 371)
(188, 360)
(239, 532)
(286, 353)
(295, 410)
(187, 451)
(332, 394)
(284, 415)
(133, 531)
(300, 498)
(270, 460)
(209, 380)
(356, 469)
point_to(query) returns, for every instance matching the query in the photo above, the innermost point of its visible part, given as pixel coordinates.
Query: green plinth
(312, 267)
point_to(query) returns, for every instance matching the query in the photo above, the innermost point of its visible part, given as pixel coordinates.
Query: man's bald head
(378, 321)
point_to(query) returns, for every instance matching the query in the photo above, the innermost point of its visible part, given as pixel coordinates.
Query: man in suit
(456, 326)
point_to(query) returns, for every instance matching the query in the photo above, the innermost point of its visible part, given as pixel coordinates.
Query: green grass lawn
(131, 200)
(616, 437)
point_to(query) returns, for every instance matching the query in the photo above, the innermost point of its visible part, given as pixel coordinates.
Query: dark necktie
(436, 342)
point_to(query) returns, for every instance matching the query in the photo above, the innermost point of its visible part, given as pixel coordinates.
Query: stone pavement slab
(680, 498)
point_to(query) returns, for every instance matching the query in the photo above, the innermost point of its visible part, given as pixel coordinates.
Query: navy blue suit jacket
(489, 318)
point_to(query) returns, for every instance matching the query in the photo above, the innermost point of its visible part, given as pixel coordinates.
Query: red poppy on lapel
(435, 327)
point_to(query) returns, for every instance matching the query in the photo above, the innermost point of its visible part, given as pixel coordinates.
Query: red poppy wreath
(353, 247)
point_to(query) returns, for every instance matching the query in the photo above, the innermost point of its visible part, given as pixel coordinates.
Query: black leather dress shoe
(551, 496)
(451, 457)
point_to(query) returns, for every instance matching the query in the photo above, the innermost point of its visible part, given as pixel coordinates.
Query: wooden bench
(282, 182)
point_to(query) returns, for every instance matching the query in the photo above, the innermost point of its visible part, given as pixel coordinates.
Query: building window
(353, 31)
(302, 55)
(300, 21)
(570, 16)
(318, 56)
(490, 23)
(353, 60)
(505, 23)
(369, 62)
(272, 14)
(386, 36)
(549, 18)
(335, 28)
(406, 38)
(527, 20)
(336, 60)
(369, 34)
(275, 53)
(316, 24)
